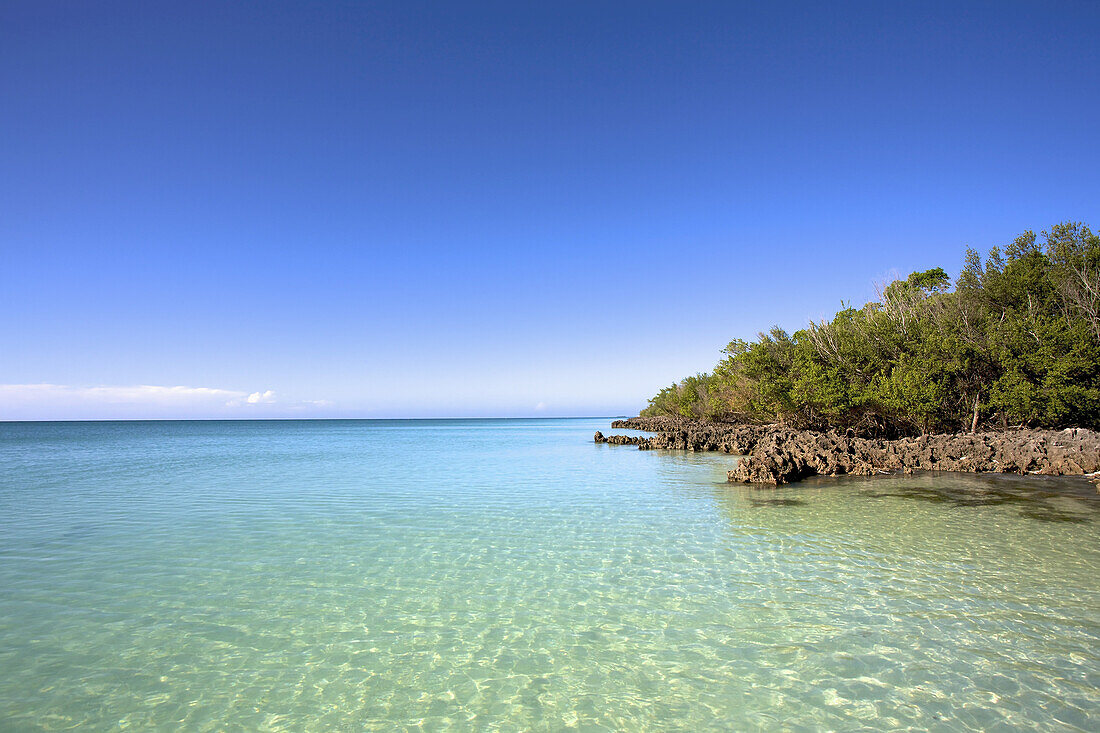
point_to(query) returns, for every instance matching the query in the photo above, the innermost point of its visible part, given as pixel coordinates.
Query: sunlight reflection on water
(510, 573)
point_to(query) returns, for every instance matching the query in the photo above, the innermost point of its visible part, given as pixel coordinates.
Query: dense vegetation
(1016, 341)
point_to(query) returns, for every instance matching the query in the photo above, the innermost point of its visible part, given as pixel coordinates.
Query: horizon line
(316, 419)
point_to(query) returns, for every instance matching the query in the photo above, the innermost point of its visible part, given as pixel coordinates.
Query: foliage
(693, 397)
(1015, 342)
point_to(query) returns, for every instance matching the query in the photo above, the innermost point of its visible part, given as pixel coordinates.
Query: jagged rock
(620, 439)
(774, 454)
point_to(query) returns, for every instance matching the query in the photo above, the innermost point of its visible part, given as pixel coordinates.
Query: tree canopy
(1015, 341)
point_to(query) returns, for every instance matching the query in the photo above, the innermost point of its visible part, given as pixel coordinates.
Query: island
(998, 371)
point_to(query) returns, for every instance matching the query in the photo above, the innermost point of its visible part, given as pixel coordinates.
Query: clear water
(512, 575)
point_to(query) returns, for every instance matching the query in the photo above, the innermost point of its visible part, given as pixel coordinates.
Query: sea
(512, 575)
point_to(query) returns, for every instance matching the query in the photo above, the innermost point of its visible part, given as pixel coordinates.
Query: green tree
(1017, 341)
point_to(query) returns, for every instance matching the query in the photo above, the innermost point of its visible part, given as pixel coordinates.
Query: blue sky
(452, 209)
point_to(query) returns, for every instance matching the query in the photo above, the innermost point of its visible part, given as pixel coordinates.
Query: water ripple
(511, 575)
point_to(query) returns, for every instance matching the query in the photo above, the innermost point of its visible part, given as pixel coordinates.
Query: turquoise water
(512, 575)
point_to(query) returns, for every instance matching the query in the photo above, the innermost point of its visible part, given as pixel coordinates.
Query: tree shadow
(1042, 498)
(776, 502)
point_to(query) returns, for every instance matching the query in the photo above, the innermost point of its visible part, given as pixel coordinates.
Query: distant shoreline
(774, 455)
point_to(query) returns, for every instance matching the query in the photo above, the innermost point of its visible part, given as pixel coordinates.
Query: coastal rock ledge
(772, 454)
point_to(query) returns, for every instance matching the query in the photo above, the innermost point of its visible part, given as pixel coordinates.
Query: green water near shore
(511, 575)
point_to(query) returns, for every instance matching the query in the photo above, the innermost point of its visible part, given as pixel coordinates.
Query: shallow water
(512, 575)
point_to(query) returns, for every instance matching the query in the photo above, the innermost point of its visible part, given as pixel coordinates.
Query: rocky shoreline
(773, 454)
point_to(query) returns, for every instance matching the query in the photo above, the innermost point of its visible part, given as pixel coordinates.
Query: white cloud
(60, 401)
(540, 407)
(139, 393)
(257, 397)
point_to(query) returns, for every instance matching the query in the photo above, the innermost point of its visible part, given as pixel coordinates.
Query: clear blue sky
(407, 209)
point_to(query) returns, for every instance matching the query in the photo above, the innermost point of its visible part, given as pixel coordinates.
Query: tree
(1017, 341)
